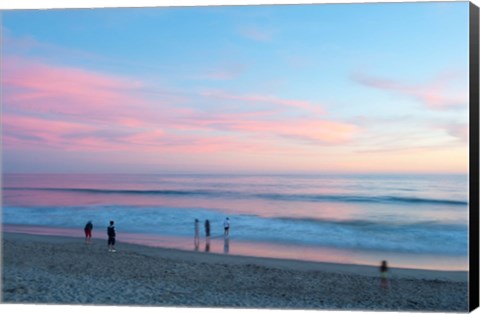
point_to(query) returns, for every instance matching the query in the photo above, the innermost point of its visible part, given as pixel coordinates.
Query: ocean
(413, 221)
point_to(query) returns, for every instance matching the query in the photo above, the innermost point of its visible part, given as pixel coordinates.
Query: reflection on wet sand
(265, 249)
(196, 240)
(226, 245)
(207, 245)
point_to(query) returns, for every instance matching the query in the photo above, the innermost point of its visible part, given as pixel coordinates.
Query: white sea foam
(396, 214)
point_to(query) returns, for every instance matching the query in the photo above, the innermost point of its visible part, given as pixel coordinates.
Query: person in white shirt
(226, 227)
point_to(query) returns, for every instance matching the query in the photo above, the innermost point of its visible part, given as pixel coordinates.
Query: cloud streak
(440, 93)
(262, 99)
(67, 91)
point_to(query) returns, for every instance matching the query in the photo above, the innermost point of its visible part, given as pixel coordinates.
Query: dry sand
(62, 270)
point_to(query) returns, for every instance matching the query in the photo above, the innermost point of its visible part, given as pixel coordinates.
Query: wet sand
(64, 270)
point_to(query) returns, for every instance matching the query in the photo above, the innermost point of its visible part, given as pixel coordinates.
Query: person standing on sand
(226, 227)
(207, 229)
(111, 237)
(197, 234)
(383, 275)
(207, 234)
(88, 231)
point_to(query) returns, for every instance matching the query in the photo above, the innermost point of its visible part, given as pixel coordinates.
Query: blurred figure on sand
(111, 237)
(197, 234)
(384, 275)
(88, 231)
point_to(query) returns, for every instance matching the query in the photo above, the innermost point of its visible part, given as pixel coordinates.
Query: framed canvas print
(303, 156)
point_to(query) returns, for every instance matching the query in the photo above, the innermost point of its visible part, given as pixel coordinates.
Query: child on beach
(111, 237)
(383, 275)
(88, 231)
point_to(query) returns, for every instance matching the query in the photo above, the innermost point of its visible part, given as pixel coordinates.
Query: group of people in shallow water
(226, 233)
(111, 233)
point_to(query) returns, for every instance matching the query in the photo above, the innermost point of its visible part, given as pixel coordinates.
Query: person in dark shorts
(111, 237)
(88, 231)
(226, 227)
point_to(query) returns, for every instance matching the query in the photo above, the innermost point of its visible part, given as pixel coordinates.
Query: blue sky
(374, 81)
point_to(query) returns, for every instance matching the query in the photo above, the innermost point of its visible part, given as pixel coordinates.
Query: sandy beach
(64, 270)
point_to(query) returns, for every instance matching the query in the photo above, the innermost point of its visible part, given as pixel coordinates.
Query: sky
(328, 88)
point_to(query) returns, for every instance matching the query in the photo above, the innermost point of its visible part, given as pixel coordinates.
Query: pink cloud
(305, 130)
(70, 108)
(248, 99)
(33, 124)
(441, 93)
(148, 138)
(23, 131)
(43, 88)
(457, 130)
(27, 132)
(74, 109)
